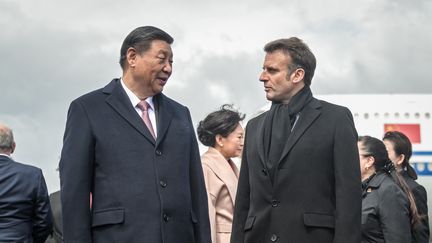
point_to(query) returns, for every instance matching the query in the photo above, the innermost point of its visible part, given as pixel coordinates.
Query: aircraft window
(366, 115)
(417, 115)
(420, 167)
(376, 115)
(396, 114)
(407, 115)
(386, 115)
(427, 115)
(356, 114)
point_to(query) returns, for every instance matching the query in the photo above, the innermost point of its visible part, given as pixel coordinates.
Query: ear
(13, 147)
(298, 75)
(131, 55)
(370, 161)
(399, 159)
(219, 140)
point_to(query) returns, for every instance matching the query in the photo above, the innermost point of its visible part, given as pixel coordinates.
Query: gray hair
(6, 138)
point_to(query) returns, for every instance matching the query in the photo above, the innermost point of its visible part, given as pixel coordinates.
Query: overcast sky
(53, 51)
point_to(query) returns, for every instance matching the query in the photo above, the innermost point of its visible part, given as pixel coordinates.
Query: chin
(269, 97)
(158, 90)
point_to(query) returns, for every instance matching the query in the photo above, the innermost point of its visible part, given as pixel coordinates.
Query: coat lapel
(163, 116)
(307, 117)
(261, 146)
(226, 170)
(119, 101)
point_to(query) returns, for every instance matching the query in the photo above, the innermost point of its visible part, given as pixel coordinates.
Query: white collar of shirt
(134, 102)
(134, 99)
(2, 154)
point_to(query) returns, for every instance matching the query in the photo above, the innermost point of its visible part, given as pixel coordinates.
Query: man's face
(153, 67)
(277, 81)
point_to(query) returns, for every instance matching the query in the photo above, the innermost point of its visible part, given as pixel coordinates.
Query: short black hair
(141, 39)
(222, 122)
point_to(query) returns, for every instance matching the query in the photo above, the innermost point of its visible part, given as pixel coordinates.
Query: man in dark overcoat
(134, 151)
(300, 176)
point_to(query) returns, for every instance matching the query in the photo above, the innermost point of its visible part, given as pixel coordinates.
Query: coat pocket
(249, 223)
(319, 220)
(108, 216)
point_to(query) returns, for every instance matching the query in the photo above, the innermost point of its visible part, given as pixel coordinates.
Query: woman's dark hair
(402, 146)
(222, 122)
(376, 148)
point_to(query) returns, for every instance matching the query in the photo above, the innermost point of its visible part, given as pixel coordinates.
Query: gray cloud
(54, 51)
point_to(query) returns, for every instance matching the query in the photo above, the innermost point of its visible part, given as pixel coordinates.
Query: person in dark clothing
(25, 213)
(57, 235)
(299, 177)
(388, 208)
(121, 139)
(400, 150)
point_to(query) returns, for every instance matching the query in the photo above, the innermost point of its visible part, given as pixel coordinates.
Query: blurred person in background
(388, 208)
(400, 150)
(25, 212)
(222, 133)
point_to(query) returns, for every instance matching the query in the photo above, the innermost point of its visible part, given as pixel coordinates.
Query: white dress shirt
(135, 100)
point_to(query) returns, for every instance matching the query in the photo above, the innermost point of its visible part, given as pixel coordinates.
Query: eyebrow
(165, 53)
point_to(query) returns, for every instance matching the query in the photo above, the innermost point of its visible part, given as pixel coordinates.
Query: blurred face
(278, 81)
(366, 162)
(152, 68)
(393, 156)
(232, 144)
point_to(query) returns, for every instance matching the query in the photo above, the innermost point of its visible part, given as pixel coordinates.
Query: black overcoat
(143, 190)
(316, 194)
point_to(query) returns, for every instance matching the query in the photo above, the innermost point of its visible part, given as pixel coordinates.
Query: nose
(263, 77)
(167, 68)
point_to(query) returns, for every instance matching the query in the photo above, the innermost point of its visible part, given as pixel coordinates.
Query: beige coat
(221, 177)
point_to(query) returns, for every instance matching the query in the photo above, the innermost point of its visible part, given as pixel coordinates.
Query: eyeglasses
(365, 155)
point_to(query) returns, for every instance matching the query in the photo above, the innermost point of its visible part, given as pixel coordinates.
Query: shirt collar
(2, 154)
(133, 98)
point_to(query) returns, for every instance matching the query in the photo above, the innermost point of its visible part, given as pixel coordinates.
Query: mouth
(162, 80)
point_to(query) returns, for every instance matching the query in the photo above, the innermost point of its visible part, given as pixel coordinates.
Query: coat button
(264, 171)
(158, 152)
(166, 218)
(274, 238)
(163, 183)
(274, 203)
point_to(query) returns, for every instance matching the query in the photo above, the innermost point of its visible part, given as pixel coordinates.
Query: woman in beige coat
(222, 133)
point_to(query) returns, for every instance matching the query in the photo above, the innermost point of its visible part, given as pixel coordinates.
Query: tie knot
(143, 105)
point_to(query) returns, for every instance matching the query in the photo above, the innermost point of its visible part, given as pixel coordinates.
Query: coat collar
(307, 116)
(5, 158)
(377, 180)
(374, 183)
(119, 101)
(225, 170)
(164, 113)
